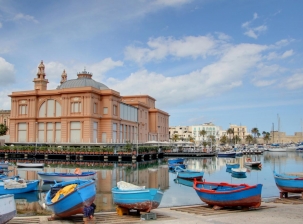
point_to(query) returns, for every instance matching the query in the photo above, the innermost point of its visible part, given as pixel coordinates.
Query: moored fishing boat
(289, 183)
(11, 186)
(238, 172)
(232, 165)
(4, 165)
(229, 195)
(7, 208)
(59, 177)
(188, 174)
(135, 197)
(230, 154)
(249, 162)
(30, 165)
(69, 198)
(175, 161)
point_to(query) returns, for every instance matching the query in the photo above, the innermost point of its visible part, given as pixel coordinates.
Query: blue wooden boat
(229, 195)
(69, 198)
(6, 186)
(289, 183)
(139, 199)
(238, 172)
(176, 161)
(185, 182)
(232, 165)
(59, 177)
(4, 165)
(188, 174)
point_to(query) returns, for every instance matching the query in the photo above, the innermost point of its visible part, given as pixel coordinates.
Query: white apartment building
(210, 129)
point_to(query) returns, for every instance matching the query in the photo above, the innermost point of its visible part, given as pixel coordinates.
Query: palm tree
(223, 139)
(175, 137)
(191, 139)
(266, 137)
(249, 139)
(230, 132)
(236, 139)
(255, 131)
(203, 133)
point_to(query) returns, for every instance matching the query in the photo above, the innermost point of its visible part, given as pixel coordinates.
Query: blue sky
(220, 61)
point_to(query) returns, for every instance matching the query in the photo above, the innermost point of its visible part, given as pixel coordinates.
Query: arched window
(50, 108)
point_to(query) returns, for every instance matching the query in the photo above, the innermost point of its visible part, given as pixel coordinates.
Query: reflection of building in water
(208, 164)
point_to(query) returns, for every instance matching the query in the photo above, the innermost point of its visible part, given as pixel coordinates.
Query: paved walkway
(269, 213)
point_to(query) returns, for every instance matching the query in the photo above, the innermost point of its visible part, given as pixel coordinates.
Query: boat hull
(228, 155)
(30, 165)
(60, 177)
(190, 175)
(176, 161)
(73, 203)
(292, 184)
(4, 165)
(7, 208)
(143, 200)
(230, 196)
(31, 186)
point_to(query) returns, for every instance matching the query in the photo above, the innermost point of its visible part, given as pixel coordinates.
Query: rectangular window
(40, 132)
(49, 132)
(76, 107)
(95, 132)
(114, 132)
(121, 132)
(22, 109)
(105, 110)
(58, 132)
(75, 131)
(115, 110)
(95, 108)
(22, 132)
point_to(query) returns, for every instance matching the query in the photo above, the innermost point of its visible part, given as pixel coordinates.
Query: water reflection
(155, 174)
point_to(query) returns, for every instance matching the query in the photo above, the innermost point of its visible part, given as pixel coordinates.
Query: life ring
(248, 159)
(78, 171)
(260, 166)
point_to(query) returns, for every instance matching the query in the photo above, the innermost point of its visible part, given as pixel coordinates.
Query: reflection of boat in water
(32, 196)
(188, 183)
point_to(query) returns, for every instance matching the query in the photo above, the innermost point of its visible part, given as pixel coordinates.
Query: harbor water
(175, 193)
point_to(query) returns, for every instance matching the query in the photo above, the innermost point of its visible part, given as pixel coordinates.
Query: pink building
(83, 110)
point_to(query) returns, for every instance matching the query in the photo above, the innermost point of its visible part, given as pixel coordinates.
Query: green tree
(266, 137)
(230, 132)
(175, 137)
(3, 129)
(203, 133)
(223, 139)
(249, 139)
(236, 139)
(255, 131)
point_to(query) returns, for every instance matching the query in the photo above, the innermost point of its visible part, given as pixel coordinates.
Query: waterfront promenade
(270, 213)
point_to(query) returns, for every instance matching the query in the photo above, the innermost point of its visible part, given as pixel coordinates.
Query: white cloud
(253, 32)
(21, 16)
(172, 2)
(287, 54)
(160, 48)
(213, 79)
(295, 81)
(7, 73)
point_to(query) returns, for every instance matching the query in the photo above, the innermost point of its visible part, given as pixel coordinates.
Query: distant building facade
(210, 129)
(83, 110)
(4, 118)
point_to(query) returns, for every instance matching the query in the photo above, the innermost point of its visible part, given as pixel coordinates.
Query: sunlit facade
(83, 110)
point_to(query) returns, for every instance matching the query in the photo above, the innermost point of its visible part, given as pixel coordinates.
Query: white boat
(277, 149)
(291, 148)
(239, 171)
(59, 177)
(7, 208)
(30, 165)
